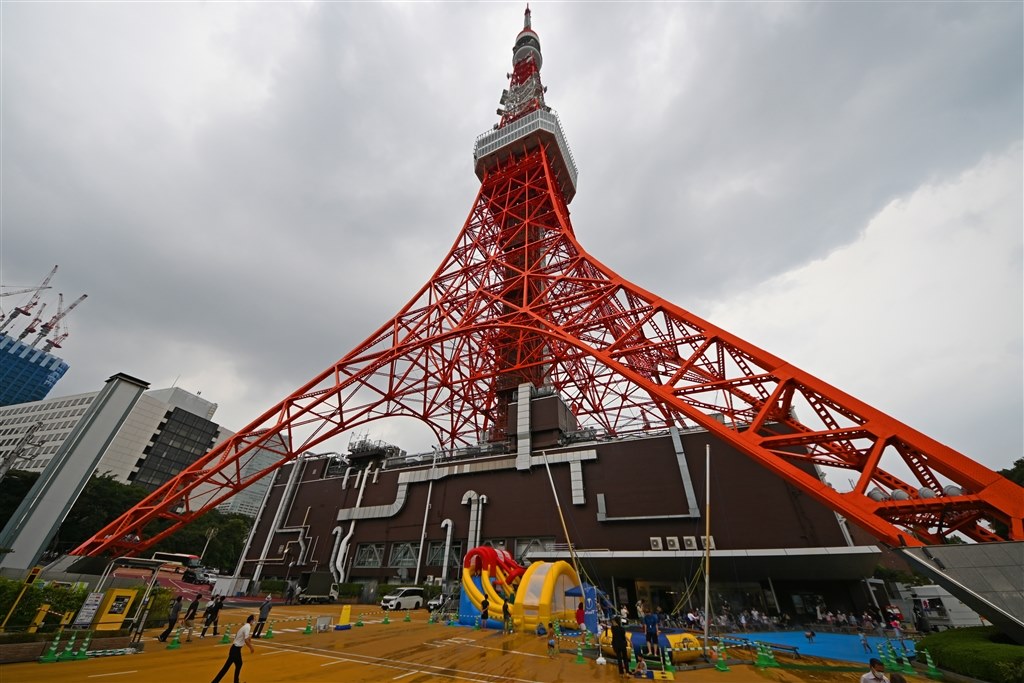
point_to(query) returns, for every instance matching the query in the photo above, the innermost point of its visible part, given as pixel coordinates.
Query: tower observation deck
(526, 122)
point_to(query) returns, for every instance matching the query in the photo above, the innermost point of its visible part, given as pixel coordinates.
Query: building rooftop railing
(542, 119)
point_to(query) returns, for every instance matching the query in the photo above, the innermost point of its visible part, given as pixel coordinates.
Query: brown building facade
(634, 508)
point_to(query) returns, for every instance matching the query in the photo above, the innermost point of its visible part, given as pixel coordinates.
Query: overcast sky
(247, 191)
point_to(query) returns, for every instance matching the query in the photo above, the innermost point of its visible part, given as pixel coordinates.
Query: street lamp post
(209, 535)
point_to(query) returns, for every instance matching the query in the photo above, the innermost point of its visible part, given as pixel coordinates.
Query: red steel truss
(518, 300)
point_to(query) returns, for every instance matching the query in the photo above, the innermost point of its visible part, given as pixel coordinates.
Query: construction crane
(21, 290)
(27, 308)
(49, 326)
(32, 325)
(55, 343)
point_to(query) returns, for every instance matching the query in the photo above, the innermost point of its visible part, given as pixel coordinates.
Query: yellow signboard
(113, 609)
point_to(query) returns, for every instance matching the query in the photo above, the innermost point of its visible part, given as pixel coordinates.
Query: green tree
(224, 547)
(13, 489)
(103, 500)
(1015, 473)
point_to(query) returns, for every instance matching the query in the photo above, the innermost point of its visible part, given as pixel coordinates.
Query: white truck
(942, 610)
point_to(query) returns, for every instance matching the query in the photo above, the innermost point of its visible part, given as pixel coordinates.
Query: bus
(181, 561)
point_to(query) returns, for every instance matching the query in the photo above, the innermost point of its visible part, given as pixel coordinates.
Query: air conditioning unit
(690, 542)
(672, 542)
(655, 542)
(707, 542)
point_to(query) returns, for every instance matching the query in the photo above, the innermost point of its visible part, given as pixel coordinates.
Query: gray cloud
(248, 191)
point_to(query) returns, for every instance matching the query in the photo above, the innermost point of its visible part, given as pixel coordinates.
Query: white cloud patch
(920, 316)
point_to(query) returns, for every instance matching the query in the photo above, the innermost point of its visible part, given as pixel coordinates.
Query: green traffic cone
(386, 619)
(226, 638)
(720, 664)
(51, 655)
(83, 651)
(667, 665)
(269, 635)
(905, 664)
(408, 617)
(309, 626)
(933, 671)
(175, 641)
(69, 650)
(579, 654)
(359, 621)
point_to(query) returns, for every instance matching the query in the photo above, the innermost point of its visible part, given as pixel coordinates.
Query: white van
(403, 597)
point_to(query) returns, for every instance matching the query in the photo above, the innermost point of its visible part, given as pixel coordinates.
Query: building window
(528, 544)
(403, 554)
(436, 549)
(369, 555)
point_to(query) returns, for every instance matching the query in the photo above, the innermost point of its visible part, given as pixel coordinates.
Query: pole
(707, 545)
(210, 533)
(423, 533)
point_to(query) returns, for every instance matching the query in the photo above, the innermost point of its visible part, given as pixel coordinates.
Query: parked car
(403, 597)
(197, 576)
(440, 601)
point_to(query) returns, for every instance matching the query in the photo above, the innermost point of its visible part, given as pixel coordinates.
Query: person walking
(484, 607)
(212, 615)
(242, 638)
(172, 619)
(619, 645)
(190, 616)
(264, 613)
(289, 595)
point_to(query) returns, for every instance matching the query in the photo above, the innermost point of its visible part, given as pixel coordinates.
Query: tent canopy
(577, 591)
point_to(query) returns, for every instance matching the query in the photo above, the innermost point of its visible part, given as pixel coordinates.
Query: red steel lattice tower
(517, 301)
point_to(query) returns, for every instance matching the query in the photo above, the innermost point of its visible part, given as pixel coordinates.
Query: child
(641, 668)
(810, 636)
(864, 642)
(551, 640)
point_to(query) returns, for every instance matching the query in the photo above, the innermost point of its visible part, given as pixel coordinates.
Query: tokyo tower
(518, 301)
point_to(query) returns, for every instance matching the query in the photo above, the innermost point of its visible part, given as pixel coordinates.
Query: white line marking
(119, 673)
(407, 673)
(430, 669)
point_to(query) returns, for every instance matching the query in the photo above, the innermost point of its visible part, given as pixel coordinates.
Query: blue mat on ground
(839, 646)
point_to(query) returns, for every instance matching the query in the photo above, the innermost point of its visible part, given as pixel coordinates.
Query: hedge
(66, 599)
(980, 652)
(60, 598)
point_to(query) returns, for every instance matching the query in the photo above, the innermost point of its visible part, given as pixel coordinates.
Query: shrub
(60, 599)
(275, 586)
(979, 652)
(350, 590)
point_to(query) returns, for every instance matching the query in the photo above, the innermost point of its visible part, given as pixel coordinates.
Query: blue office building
(26, 374)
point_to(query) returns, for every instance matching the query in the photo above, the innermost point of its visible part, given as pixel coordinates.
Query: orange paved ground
(414, 652)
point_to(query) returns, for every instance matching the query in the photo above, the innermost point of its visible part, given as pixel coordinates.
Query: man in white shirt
(242, 638)
(876, 674)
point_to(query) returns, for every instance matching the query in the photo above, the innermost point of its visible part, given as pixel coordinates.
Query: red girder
(518, 299)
